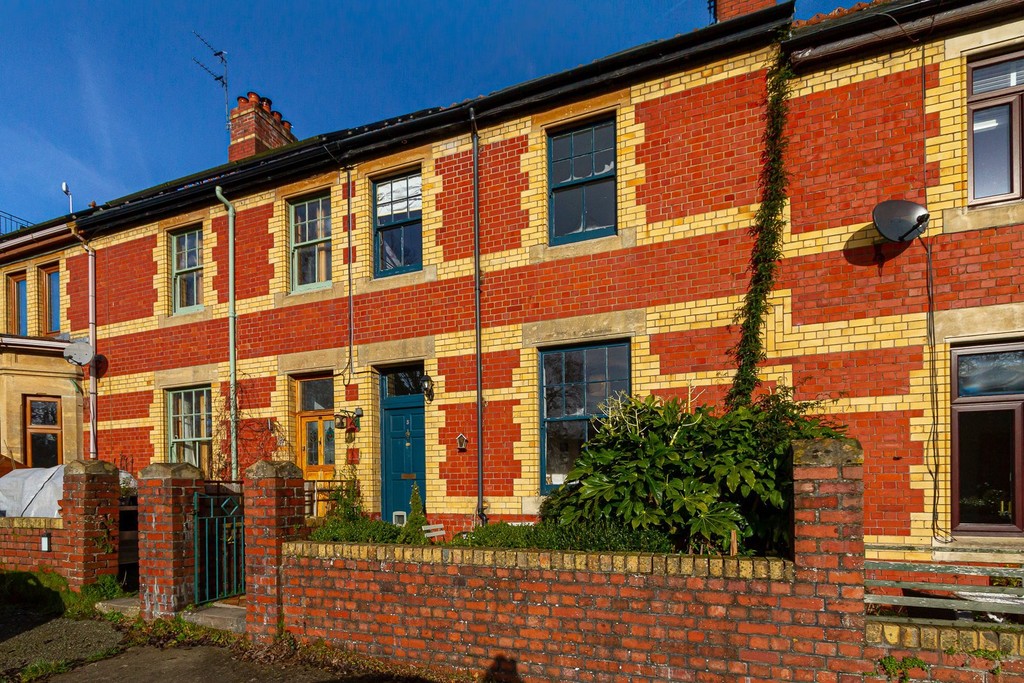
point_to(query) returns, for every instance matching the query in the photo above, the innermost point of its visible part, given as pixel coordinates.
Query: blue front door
(404, 439)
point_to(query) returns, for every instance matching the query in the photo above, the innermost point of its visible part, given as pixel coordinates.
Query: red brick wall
(19, 547)
(253, 241)
(702, 148)
(124, 283)
(730, 9)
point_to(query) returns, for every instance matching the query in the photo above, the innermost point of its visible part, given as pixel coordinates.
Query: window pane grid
(398, 211)
(575, 386)
(190, 432)
(311, 241)
(187, 270)
(17, 305)
(993, 130)
(581, 175)
(987, 419)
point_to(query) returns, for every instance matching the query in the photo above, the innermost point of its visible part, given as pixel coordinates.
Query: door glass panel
(990, 374)
(43, 413)
(312, 443)
(44, 450)
(986, 466)
(328, 427)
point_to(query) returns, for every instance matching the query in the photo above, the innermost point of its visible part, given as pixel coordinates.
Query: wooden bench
(432, 531)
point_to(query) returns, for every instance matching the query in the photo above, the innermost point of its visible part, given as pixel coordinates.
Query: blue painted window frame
(180, 246)
(622, 384)
(402, 226)
(319, 243)
(557, 187)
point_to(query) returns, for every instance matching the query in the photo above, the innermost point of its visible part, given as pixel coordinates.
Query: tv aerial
(221, 78)
(898, 220)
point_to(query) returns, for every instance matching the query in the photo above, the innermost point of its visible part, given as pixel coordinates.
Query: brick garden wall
(560, 616)
(83, 541)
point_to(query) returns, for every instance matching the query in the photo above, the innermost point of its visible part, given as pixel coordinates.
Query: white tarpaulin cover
(32, 492)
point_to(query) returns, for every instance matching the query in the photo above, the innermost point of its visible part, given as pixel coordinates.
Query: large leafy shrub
(695, 476)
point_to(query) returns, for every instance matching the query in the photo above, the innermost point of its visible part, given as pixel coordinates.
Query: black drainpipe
(477, 324)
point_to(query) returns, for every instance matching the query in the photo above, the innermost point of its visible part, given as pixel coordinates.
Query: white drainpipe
(93, 380)
(232, 360)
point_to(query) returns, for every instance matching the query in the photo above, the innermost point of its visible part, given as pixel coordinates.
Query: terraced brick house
(446, 298)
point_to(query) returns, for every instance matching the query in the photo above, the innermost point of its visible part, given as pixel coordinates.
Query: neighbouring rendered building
(605, 212)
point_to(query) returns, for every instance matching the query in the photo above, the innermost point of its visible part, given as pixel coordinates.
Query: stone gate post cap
(827, 452)
(92, 467)
(171, 470)
(273, 469)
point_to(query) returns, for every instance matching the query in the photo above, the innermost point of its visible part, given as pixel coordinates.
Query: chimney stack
(730, 9)
(256, 127)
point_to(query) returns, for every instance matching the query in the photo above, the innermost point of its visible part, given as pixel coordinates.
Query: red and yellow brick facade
(848, 324)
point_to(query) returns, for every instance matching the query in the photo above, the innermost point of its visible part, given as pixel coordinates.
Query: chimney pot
(257, 128)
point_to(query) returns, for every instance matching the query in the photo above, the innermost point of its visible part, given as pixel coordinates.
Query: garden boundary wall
(83, 540)
(560, 616)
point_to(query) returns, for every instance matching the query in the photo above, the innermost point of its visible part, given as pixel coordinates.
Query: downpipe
(477, 324)
(93, 364)
(232, 354)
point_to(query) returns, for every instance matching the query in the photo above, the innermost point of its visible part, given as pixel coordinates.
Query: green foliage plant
(584, 536)
(697, 477)
(412, 532)
(767, 231)
(899, 669)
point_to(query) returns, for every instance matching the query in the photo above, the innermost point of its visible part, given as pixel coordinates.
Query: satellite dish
(79, 353)
(898, 220)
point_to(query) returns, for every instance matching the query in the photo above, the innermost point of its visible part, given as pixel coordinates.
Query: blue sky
(105, 96)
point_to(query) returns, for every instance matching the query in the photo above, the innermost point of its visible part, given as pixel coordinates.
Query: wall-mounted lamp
(349, 419)
(44, 542)
(461, 441)
(427, 385)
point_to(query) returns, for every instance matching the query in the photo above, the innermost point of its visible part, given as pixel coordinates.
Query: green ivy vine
(767, 230)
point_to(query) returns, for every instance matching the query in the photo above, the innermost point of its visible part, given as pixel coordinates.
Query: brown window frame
(961, 404)
(14, 320)
(1013, 96)
(44, 298)
(42, 429)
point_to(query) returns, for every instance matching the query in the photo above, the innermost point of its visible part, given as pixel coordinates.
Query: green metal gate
(219, 542)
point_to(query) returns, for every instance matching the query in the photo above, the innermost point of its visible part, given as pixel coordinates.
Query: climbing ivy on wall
(767, 232)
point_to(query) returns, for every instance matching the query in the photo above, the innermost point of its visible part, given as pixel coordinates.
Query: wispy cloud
(33, 170)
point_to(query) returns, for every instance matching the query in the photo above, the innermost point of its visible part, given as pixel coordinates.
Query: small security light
(44, 542)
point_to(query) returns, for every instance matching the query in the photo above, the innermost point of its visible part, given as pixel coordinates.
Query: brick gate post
(274, 513)
(166, 553)
(91, 521)
(828, 548)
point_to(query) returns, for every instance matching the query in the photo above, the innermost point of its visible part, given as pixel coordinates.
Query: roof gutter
(868, 38)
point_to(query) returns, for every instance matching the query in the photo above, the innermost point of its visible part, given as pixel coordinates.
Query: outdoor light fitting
(44, 542)
(462, 441)
(427, 385)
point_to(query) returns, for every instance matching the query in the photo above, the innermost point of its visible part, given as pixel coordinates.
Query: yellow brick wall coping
(627, 563)
(31, 523)
(1008, 639)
